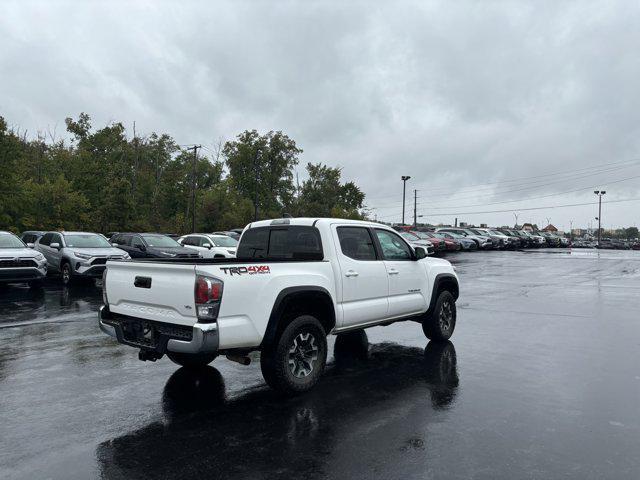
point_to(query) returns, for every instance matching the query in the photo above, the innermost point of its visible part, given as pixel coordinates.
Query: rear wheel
(295, 361)
(192, 360)
(439, 325)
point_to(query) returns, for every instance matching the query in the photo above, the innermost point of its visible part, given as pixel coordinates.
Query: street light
(404, 191)
(599, 193)
(515, 215)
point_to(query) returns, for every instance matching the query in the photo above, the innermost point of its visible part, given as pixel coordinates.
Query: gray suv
(19, 263)
(77, 254)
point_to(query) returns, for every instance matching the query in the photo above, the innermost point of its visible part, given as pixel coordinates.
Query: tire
(440, 324)
(295, 361)
(192, 360)
(67, 273)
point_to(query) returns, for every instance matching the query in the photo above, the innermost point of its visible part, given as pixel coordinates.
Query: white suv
(78, 254)
(210, 245)
(19, 263)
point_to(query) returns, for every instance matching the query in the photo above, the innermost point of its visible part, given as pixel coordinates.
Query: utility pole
(404, 190)
(255, 201)
(193, 188)
(415, 208)
(599, 193)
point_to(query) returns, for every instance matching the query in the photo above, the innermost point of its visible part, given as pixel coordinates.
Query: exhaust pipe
(241, 359)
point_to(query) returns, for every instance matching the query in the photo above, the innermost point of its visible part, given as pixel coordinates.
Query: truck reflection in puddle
(375, 395)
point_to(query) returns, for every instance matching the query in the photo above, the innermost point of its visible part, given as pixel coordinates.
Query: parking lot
(541, 380)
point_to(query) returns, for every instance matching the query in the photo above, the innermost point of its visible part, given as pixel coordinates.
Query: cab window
(393, 247)
(356, 243)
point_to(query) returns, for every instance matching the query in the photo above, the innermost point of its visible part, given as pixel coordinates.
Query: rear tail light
(207, 293)
(105, 300)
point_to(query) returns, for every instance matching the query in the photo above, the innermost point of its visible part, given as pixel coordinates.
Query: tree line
(101, 180)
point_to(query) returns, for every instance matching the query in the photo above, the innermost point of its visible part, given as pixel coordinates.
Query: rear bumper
(202, 338)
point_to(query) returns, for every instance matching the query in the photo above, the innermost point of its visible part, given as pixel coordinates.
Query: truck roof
(312, 221)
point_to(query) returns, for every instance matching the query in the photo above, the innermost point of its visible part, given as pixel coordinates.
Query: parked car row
(607, 244)
(74, 255)
(454, 239)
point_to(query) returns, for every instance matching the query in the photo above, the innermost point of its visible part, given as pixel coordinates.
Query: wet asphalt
(541, 380)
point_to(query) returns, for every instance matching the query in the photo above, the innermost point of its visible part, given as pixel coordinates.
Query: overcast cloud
(451, 93)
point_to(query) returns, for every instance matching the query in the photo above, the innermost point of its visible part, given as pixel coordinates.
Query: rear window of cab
(281, 243)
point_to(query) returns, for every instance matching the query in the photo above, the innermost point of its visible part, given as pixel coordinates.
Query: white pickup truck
(294, 281)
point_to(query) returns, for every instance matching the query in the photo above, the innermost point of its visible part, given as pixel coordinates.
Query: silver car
(18, 263)
(78, 254)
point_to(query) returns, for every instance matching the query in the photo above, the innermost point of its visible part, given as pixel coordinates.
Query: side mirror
(420, 253)
(31, 245)
(142, 248)
(55, 245)
(207, 245)
(114, 244)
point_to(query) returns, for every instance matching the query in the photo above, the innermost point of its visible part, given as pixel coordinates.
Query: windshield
(471, 232)
(409, 236)
(224, 242)
(499, 234)
(423, 235)
(86, 240)
(10, 241)
(455, 235)
(477, 232)
(160, 241)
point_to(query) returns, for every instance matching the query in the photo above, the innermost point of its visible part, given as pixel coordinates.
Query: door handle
(351, 273)
(393, 271)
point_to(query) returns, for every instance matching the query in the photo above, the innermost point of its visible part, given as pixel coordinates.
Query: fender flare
(442, 279)
(282, 302)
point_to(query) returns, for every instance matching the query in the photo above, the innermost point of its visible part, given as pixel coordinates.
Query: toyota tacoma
(294, 281)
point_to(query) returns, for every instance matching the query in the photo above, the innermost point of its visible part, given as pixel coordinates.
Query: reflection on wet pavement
(259, 432)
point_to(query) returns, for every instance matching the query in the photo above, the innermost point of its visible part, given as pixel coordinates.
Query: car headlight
(168, 254)
(39, 257)
(84, 256)
(126, 256)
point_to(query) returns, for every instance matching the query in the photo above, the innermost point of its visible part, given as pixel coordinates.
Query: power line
(601, 169)
(524, 209)
(536, 197)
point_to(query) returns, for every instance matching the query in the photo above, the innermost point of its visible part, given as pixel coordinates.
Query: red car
(439, 243)
(452, 244)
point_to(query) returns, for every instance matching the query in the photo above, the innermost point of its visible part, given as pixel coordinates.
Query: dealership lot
(541, 380)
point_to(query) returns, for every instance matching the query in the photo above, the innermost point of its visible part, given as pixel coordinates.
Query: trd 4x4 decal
(252, 270)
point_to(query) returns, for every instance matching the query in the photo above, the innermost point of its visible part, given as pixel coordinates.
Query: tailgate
(153, 291)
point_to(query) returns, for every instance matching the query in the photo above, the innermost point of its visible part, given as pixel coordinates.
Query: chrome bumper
(204, 338)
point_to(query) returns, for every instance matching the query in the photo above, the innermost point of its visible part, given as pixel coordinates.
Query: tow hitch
(149, 355)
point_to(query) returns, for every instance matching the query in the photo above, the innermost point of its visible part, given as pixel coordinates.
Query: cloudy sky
(487, 105)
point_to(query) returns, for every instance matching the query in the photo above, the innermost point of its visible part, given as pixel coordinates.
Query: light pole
(599, 193)
(404, 191)
(515, 215)
(571, 230)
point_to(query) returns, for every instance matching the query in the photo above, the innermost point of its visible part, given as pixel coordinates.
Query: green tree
(263, 163)
(323, 194)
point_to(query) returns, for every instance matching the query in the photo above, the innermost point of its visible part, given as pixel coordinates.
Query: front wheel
(295, 361)
(192, 360)
(439, 325)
